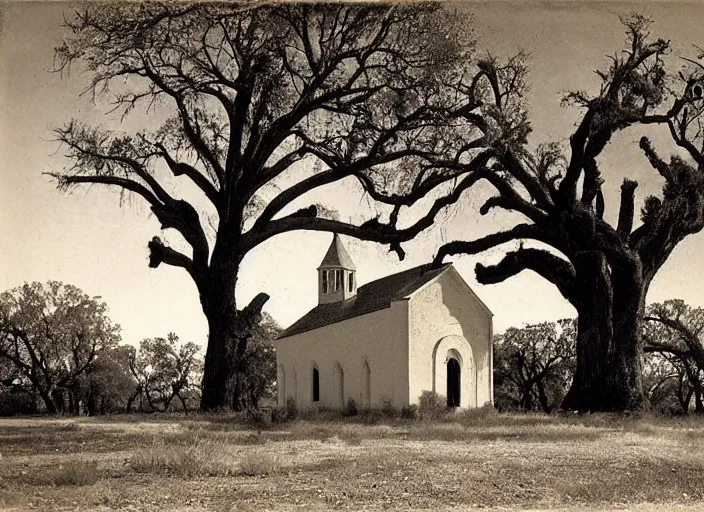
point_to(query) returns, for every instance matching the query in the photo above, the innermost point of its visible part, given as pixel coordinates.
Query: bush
(432, 406)
(371, 416)
(291, 409)
(259, 417)
(409, 412)
(258, 464)
(278, 415)
(388, 410)
(287, 413)
(76, 473)
(476, 416)
(186, 460)
(15, 402)
(350, 409)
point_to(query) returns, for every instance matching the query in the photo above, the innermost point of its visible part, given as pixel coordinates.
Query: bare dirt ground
(217, 463)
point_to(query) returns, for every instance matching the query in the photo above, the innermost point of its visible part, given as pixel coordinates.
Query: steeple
(336, 274)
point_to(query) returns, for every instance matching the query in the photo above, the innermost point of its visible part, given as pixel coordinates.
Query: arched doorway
(453, 382)
(461, 373)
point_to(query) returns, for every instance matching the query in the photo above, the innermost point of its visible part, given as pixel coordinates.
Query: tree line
(60, 353)
(398, 101)
(535, 365)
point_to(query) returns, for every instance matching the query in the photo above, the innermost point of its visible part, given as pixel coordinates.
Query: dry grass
(192, 459)
(458, 462)
(74, 472)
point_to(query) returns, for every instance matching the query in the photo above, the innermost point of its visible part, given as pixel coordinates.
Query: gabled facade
(422, 329)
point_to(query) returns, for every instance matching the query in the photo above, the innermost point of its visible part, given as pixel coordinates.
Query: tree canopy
(50, 334)
(391, 97)
(533, 365)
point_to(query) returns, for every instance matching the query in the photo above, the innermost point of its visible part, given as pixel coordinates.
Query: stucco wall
(378, 338)
(445, 316)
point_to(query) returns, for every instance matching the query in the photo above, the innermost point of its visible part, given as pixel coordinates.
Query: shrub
(187, 460)
(258, 464)
(259, 417)
(371, 416)
(432, 406)
(388, 410)
(478, 415)
(409, 412)
(287, 413)
(77, 472)
(278, 415)
(15, 402)
(350, 409)
(291, 409)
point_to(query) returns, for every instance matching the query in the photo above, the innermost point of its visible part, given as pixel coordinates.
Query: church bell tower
(336, 274)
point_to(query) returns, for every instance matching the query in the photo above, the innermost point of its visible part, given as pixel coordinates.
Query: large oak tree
(51, 335)
(603, 270)
(389, 96)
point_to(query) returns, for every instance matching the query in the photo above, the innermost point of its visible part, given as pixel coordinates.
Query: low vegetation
(227, 462)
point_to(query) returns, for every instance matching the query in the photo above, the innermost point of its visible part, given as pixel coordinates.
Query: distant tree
(257, 377)
(108, 384)
(165, 369)
(16, 393)
(603, 270)
(673, 331)
(51, 334)
(271, 102)
(533, 365)
(668, 383)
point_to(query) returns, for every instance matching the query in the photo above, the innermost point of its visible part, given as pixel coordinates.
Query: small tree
(534, 365)
(164, 370)
(673, 332)
(257, 375)
(51, 334)
(108, 384)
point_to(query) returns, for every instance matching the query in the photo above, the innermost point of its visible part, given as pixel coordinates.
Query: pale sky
(86, 238)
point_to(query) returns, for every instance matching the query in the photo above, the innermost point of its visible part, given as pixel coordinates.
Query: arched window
(453, 382)
(281, 385)
(366, 385)
(340, 385)
(316, 385)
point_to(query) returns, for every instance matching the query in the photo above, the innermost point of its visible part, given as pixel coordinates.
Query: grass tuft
(78, 472)
(193, 459)
(259, 464)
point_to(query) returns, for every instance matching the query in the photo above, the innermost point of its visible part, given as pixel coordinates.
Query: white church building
(387, 341)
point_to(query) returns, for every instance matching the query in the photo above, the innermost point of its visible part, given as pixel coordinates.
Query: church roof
(371, 297)
(337, 256)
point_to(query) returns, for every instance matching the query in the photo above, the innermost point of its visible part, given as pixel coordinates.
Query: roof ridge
(372, 296)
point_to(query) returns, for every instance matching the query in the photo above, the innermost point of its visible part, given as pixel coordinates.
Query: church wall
(446, 318)
(379, 338)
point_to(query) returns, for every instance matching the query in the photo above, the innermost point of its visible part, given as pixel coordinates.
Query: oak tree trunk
(609, 351)
(594, 333)
(229, 332)
(48, 402)
(220, 308)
